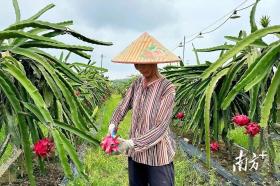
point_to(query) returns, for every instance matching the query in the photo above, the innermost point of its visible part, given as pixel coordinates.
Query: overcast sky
(122, 21)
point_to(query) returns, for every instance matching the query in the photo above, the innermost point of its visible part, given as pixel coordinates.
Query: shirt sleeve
(124, 106)
(163, 120)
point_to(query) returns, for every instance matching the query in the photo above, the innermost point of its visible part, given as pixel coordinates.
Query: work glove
(125, 145)
(112, 130)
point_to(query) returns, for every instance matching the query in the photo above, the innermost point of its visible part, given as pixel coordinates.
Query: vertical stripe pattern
(152, 107)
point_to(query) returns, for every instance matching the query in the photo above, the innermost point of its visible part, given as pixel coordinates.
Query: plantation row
(49, 103)
(241, 88)
(44, 96)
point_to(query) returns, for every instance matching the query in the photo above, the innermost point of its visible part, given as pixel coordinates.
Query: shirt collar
(151, 83)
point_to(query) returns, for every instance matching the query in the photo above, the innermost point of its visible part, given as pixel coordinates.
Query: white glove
(125, 145)
(112, 130)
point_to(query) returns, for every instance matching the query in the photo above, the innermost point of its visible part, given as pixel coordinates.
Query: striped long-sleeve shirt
(152, 107)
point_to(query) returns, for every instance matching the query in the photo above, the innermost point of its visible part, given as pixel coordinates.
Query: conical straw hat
(146, 50)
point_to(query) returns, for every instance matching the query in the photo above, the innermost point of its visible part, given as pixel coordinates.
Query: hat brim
(139, 62)
(146, 50)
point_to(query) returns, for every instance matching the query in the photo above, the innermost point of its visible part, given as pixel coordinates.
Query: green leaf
(56, 27)
(66, 58)
(234, 69)
(257, 43)
(4, 145)
(216, 48)
(267, 104)
(29, 87)
(72, 153)
(87, 66)
(19, 41)
(94, 112)
(41, 44)
(62, 154)
(81, 53)
(16, 63)
(252, 17)
(215, 117)
(208, 95)
(20, 34)
(56, 91)
(196, 55)
(6, 87)
(17, 10)
(32, 108)
(197, 114)
(254, 93)
(60, 66)
(260, 76)
(76, 106)
(238, 47)
(256, 74)
(58, 80)
(78, 132)
(41, 12)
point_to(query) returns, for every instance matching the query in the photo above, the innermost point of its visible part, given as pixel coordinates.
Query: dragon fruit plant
(37, 90)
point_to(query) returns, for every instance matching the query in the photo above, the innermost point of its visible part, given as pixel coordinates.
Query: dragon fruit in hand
(110, 144)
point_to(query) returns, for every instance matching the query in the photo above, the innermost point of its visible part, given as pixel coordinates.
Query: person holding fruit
(150, 147)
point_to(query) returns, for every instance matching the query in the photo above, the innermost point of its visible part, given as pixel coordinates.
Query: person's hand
(125, 145)
(112, 130)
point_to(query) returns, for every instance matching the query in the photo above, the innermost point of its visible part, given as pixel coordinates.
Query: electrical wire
(175, 48)
(228, 15)
(246, 7)
(219, 19)
(216, 27)
(191, 39)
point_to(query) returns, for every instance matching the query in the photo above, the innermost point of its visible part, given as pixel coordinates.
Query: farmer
(150, 147)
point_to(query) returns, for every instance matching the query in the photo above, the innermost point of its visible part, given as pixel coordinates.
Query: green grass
(108, 170)
(241, 139)
(104, 169)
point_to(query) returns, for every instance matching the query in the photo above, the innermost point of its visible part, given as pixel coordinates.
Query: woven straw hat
(146, 50)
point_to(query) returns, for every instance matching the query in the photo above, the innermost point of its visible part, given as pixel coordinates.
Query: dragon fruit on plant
(253, 129)
(180, 115)
(241, 120)
(43, 147)
(214, 146)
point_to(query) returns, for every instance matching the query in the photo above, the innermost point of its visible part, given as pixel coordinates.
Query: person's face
(146, 70)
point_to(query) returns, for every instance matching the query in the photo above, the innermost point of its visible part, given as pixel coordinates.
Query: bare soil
(52, 177)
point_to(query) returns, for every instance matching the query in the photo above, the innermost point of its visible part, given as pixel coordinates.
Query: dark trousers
(144, 175)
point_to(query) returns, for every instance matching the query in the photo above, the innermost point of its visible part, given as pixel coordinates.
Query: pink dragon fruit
(110, 144)
(252, 129)
(180, 115)
(241, 120)
(214, 146)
